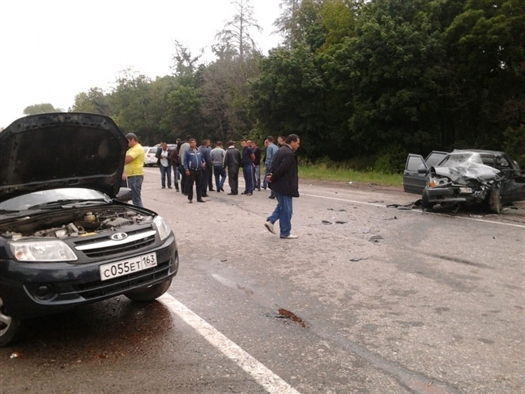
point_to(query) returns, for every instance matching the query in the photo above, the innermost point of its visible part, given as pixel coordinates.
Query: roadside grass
(343, 174)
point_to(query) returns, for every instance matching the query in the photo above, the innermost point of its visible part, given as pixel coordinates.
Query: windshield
(461, 159)
(29, 200)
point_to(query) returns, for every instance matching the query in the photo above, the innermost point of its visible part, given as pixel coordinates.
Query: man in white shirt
(162, 155)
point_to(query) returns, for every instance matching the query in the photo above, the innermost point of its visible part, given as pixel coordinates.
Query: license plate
(130, 266)
(465, 190)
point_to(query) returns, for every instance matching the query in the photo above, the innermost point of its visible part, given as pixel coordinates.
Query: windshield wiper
(69, 203)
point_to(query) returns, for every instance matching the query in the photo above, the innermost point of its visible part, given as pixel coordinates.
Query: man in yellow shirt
(134, 168)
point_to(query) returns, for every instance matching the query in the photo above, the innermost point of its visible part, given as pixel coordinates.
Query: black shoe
(222, 189)
(212, 190)
(272, 197)
(205, 195)
(248, 194)
(201, 201)
(218, 190)
(232, 194)
(190, 201)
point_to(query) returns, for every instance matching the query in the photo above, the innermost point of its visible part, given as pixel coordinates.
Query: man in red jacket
(284, 182)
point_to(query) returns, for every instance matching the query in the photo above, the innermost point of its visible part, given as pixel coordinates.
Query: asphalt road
(369, 299)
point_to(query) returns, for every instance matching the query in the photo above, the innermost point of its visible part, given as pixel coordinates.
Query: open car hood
(55, 150)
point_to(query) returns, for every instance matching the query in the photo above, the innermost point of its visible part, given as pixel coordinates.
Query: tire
(425, 204)
(149, 293)
(9, 327)
(494, 201)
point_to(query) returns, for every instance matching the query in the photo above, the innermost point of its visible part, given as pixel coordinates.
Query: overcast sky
(51, 50)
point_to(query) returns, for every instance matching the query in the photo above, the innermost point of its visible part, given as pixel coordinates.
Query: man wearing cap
(134, 168)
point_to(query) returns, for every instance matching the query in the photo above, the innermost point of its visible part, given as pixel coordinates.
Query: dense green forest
(355, 79)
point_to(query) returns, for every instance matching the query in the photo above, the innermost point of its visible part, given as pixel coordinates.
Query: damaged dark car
(66, 236)
(485, 178)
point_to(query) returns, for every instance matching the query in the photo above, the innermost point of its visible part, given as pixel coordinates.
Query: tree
(94, 101)
(224, 90)
(185, 64)
(39, 109)
(236, 33)
(288, 97)
(486, 45)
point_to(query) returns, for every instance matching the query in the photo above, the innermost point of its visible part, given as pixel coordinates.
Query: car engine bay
(72, 223)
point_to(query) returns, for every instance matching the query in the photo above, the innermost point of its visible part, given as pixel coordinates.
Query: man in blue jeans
(134, 168)
(163, 160)
(284, 182)
(271, 150)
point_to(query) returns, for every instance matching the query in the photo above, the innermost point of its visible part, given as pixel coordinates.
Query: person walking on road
(284, 181)
(193, 165)
(134, 168)
(232, 162)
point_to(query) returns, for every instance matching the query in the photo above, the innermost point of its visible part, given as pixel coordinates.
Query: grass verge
(328, 173)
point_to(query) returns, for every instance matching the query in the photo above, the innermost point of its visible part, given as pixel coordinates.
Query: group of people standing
(197, 166)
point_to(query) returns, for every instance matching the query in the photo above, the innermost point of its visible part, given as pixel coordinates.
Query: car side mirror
(422, 169)
(124, 194)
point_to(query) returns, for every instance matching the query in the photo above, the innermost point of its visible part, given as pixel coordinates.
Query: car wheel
(9, 327)
(425, 204)
(494, 201)
(149, 293)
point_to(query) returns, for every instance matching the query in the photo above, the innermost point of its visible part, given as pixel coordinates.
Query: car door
(415, 174)
(434, 158)
(513, 188)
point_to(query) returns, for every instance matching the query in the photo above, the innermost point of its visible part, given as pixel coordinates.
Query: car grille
(103, 247)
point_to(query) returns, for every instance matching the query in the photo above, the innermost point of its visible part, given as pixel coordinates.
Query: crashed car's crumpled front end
(462, 179)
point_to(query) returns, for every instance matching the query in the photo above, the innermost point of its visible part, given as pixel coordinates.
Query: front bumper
(454, 194)
(33, 289)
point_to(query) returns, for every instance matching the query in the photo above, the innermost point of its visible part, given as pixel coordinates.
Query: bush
(391, 160)
(514, 143)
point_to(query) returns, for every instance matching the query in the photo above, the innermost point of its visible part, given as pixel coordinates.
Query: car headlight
(437, 182)
(52, 250)
(162, 227)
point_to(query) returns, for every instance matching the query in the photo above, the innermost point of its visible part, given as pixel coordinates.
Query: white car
(149, 156)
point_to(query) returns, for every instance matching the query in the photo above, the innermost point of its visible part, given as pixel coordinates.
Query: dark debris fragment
(375, 238)
(286, 314)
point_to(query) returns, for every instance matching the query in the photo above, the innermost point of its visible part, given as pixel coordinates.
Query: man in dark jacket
(284, 182)
(247, 167)
(193, 165)
(232, 162)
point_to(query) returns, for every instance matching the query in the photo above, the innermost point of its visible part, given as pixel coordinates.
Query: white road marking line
(262, 375)
(345, 200)
(384, 206)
